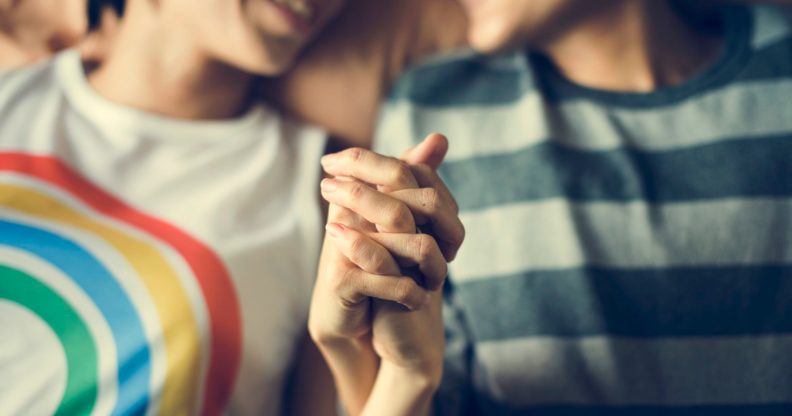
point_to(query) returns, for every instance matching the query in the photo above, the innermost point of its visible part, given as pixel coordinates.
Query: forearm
(400, 392)
(354, 366)
(310, 378)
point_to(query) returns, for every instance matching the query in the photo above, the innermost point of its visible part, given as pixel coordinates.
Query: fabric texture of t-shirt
(148, 265)
(626, 253)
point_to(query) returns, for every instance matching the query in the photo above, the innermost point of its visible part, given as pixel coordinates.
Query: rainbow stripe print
(104, 309)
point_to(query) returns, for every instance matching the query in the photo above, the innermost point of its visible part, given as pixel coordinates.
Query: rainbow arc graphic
(145, 318)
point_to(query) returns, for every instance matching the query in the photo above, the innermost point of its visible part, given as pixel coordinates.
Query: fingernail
(328, 160)
(334, 229)
(329, 185)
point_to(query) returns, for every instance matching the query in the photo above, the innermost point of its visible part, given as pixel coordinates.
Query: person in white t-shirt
(159, 231)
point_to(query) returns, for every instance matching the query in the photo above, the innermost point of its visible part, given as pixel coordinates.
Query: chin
(489, 38)
(266, 61)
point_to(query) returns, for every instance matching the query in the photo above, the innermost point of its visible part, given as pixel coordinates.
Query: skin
(366, 50)
(205, 79)
(386, 357)
(641, 45)
(173, 58)
(381, 331)
(31, 30)
(357, 59)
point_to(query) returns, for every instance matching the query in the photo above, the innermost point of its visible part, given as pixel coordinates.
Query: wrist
(354, 366)
(421, 381)
(331, 341)
(400, 391)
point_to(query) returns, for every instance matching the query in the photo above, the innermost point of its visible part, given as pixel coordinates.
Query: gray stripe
(771, 24)
(554, 234)
(500, 129)
(623, 371)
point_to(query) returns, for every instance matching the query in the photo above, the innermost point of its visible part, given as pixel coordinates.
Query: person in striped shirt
(627, 203)
(623, 172)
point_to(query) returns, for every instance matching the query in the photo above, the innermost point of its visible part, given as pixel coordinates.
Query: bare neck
(638, 47)
(20, 45)
(155, 66)
(11, 54)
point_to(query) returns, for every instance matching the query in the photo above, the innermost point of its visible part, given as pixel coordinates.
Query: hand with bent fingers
(367, 307)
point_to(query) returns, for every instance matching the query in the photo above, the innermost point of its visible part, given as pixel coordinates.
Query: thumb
(431, 151)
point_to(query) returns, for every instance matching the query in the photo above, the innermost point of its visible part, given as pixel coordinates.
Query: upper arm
(341, 79)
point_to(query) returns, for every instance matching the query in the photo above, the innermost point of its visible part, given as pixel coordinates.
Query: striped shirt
(627, 253)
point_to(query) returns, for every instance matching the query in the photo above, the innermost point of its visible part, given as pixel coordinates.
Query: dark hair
(95, 8)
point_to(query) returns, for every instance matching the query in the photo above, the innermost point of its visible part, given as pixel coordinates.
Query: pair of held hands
(364, 292)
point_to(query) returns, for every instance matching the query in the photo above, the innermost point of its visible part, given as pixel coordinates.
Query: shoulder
(768, 43)
(387, 35)
(771, 25)
(455, 93)
(22, 82)
(24, 92)
(436, 81)
(341, 79)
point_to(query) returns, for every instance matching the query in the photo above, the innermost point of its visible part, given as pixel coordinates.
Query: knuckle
(430, 199)
(357, 248)
(356, 154)
(460, 235)
(427, 246)
(378, 264)
(401, 218)
(456, 236)
(402, 173)
(343, 216)
(454, 242)
(405, 292)
(452, 202)
(443, 271)
(356, 190)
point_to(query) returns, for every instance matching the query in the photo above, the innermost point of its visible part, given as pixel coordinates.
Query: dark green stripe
(471, 80)
(81, 353)
(491, 407)
(752, 167)
(723, 301)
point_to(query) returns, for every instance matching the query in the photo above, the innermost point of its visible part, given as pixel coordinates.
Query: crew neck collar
(87, 101)
(737, 29)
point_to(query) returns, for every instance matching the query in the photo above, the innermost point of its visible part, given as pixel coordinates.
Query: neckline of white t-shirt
(86, 100)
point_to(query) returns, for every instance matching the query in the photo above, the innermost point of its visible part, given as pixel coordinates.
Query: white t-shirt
(148, 264)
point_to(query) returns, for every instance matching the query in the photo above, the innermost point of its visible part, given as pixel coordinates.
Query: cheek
(55, 13)
(74, 17)
(59, 23)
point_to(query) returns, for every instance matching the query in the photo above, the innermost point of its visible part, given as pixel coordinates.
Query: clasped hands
(376, 320)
